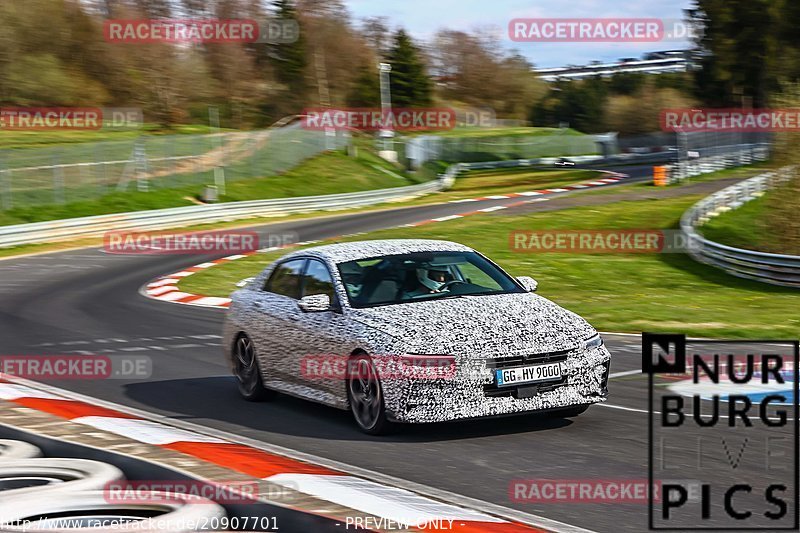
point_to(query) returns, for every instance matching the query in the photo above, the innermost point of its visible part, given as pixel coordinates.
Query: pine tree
(290, 59)
(366, 90)
(410, 84)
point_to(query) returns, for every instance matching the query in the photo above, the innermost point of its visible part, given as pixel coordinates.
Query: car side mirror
(528, 283)
(315, 303)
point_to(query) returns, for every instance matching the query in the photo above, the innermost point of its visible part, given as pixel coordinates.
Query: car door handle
(293, 317)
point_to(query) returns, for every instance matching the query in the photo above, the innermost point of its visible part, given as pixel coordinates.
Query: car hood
(495, 325)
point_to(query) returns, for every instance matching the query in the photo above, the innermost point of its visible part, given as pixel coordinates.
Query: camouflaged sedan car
(410, 331)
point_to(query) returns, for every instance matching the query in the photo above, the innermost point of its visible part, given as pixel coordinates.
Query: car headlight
(595, 341)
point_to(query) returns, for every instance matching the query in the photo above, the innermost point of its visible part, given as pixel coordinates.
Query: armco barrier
(777, 269)
(95, 226)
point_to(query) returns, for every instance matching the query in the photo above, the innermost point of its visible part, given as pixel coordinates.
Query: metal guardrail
(96, 226)
(718, 158)
(777, 269)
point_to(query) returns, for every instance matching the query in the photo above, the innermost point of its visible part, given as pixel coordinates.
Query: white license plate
(508, 377)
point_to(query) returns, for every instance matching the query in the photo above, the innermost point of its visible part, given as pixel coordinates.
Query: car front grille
(526, 390)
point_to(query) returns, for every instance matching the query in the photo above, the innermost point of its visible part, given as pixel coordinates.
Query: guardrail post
(5, 181)
(140, 162)
(58, 180)
(99, 169)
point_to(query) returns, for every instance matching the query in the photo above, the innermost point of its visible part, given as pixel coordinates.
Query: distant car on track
(410, 331)
(563, 162)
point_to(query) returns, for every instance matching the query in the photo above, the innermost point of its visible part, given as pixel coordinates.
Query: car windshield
(422, 276)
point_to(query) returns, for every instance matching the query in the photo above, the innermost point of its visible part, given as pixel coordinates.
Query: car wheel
(570, 412)
(246, 370)
(365, 395)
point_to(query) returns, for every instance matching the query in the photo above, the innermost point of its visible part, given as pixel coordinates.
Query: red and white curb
(166, 288)
(613, 178)
(378, 499)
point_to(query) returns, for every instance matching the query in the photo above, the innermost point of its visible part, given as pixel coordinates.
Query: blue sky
(422, 18)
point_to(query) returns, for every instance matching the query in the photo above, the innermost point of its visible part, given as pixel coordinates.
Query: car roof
(350, 251)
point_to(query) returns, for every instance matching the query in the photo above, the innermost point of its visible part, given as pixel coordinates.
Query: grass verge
(742, 227)
(328, 173)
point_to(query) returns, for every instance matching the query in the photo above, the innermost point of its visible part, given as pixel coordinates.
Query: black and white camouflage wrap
(480, 332)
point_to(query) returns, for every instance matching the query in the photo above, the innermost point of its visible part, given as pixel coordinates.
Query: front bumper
(585, 382)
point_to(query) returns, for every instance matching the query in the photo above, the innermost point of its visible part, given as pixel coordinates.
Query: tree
(738, 49)
(366, 91)
(376, 32)
(410, 84)
(290, 59)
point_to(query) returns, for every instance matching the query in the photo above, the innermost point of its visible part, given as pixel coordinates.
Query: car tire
(16, 449)
(46, 476)
(247, 371)
(365, 396)
(570, 412)
(178, 514)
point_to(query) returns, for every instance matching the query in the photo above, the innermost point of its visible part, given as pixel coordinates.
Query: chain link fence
(84, 171)
(414, 152)
(699, 153)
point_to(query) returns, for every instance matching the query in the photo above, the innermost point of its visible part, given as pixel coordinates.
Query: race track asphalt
(87, 302)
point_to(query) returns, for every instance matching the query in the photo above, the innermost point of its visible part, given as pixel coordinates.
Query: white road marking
(450, 217)
(143, 430)
(626, 373)
(494, 208)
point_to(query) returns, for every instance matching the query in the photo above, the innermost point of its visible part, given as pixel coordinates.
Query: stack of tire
(67, 495)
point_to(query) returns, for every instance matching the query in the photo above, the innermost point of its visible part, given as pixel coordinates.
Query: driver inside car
(430, 280)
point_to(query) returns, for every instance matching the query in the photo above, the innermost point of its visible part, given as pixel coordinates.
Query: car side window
(285, 279)
(318, 280)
